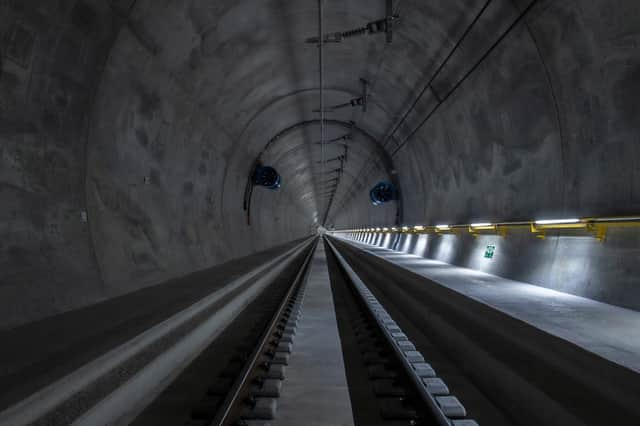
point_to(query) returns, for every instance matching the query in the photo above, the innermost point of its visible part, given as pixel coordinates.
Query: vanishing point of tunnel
(320, 212)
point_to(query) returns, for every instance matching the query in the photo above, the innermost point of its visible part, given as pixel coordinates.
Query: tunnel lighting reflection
(406, 244)
(421, 246)
(556, 221)
(445, 248)
(589, 226)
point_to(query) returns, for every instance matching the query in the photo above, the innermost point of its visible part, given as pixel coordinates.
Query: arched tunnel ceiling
(129, 128)
(246, 64)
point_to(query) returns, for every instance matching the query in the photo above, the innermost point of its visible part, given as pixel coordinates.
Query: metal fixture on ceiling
(442, 99)
(355, 102)
(346, 137)
(321, 77)
(384, 25)
(392, 16)
(340, 158)
(339, 170)
(333, 179)
(429, 85)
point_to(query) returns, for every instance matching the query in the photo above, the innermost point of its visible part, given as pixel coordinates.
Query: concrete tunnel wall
(547, 127)
(128, 129)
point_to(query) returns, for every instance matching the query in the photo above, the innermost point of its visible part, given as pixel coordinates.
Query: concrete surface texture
(600, 328)
(315, 390)
(545, 357)
(581, 265)
(128, 129)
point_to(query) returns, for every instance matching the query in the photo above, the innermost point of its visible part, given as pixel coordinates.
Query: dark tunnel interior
(131, 132)
(129, 128)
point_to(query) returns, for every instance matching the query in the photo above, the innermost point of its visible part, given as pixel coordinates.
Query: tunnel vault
(128, 128)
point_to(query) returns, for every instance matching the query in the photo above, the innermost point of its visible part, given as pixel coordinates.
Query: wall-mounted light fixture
(478, 228)
(596, 227)
(557, 221)
(540, 227)
(482, 225)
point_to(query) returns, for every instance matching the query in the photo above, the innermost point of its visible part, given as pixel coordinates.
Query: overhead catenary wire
(429, 83)
(426, 87)
(464, 78)
(393, 8)
(443, 99)
(321, 76)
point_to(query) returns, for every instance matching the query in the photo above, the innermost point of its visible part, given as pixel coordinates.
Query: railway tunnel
(381, 212)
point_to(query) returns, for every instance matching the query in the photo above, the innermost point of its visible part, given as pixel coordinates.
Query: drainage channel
(390, 381)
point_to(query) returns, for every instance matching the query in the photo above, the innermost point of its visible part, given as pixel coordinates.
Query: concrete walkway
(605, 330)
(315, 390)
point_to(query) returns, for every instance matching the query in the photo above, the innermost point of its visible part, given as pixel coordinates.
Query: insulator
(356, 32)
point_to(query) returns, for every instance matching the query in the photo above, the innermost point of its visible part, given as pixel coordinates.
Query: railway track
(326, 335)
(239, 379)
(240, 367)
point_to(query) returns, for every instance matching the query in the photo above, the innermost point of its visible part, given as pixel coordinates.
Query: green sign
(488, 253)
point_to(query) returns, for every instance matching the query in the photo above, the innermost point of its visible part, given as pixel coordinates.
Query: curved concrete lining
(128, 130)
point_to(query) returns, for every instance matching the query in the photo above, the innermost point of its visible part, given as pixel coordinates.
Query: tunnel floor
(346, 333)
(605, 330)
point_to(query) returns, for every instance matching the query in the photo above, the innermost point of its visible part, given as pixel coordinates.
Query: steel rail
(426, 397)
(240, 388)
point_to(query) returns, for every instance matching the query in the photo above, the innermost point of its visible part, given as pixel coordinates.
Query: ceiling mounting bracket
(384, 25)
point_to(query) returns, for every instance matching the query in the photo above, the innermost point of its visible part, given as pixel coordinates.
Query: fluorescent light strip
(611, 221)
(556, 221)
